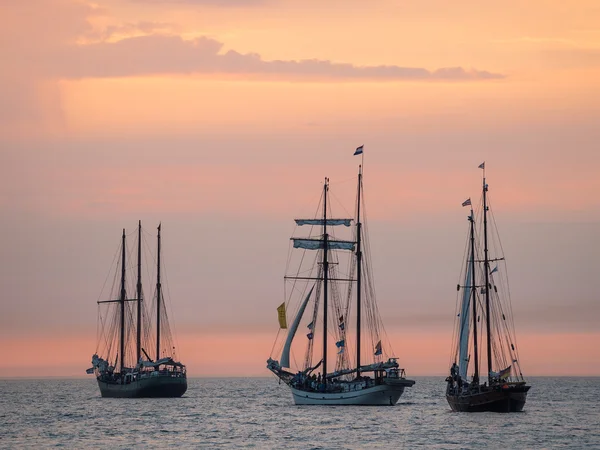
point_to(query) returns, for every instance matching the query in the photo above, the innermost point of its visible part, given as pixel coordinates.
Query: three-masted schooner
(320, 281)
(125, 369)
(485, 294)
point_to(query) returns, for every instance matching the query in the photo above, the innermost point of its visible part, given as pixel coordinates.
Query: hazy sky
(221, 119)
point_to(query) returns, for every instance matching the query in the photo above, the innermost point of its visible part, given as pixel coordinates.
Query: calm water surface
(259, 413)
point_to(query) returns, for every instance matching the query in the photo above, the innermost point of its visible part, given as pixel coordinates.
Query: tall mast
(139, 294)
(358, 273)
(158, 298)
(486, 269)
(325, 276)
(474, 292)
(122, 301)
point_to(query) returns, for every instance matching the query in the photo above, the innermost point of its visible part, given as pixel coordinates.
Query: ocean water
(259, 413)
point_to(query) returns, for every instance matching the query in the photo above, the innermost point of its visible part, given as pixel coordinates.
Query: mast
(325, 276)
(158, 297)
(358, 274)
(486, 269)
(122, 301)
(474, 293)
(139, 294)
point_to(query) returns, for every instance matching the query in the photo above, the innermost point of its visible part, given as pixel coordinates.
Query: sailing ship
(123, 367)
(484, 293)
(327, 280)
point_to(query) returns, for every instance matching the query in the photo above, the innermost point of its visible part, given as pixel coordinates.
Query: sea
(259, 413)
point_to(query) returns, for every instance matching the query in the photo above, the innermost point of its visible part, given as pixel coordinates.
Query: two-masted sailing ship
(122, 363)
(485, 294)
(331, 276)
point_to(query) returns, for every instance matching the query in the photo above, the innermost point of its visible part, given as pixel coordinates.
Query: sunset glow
(221, 122)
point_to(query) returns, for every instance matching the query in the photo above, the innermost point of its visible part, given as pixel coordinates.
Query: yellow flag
(281, 316)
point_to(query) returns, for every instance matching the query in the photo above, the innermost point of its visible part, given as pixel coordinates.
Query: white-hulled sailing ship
(485, 294)
(331, 276)
(122, 365)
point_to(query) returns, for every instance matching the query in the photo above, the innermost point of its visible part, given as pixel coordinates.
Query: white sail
(317, 244)
(285, 354)
(329, 222)
(463, 361)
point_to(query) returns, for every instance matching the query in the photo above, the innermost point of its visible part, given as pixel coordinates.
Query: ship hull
(511, 399)
(161, 386)
(379, 395)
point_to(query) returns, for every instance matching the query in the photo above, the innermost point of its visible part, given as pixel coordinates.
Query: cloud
(220, 3)
(129, 29)
(160, 54)
(573, 58)
(536, 41)
(31, 32)
(558, 52)
(84, 41)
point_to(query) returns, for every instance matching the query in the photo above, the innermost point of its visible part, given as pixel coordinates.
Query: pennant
(342, 326)
(281, 316)
(378, 349)
(467, 202)
(359, 150)
(310, 325)
(495, 269)
(310, 335)
(482, 165)
(341, 343)
(341, 351)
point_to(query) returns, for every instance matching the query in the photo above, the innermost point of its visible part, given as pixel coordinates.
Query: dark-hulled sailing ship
(122, 366)
(485, 293)
(324, 282)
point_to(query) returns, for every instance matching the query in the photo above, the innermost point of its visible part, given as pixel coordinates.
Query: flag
(310, 335)
(358, 151)
(504, 373)
(378, 349)
(495, 269)
(482, 165)
(341, 343)
(467, 202)
(90, 370)
(281, 316)
(310, 325)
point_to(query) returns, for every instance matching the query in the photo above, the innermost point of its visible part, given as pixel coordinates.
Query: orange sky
(221, 121)
(243, 354)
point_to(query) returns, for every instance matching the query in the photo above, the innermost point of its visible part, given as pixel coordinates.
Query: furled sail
(285, 354)
(329, 222)
(463, 361)
(317, 244)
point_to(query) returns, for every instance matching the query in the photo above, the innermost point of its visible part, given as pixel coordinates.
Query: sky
(220, 119)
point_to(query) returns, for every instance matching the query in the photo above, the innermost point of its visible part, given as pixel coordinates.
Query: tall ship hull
(382, 395)
(151, 387)
(332, 291)
(503, 398)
